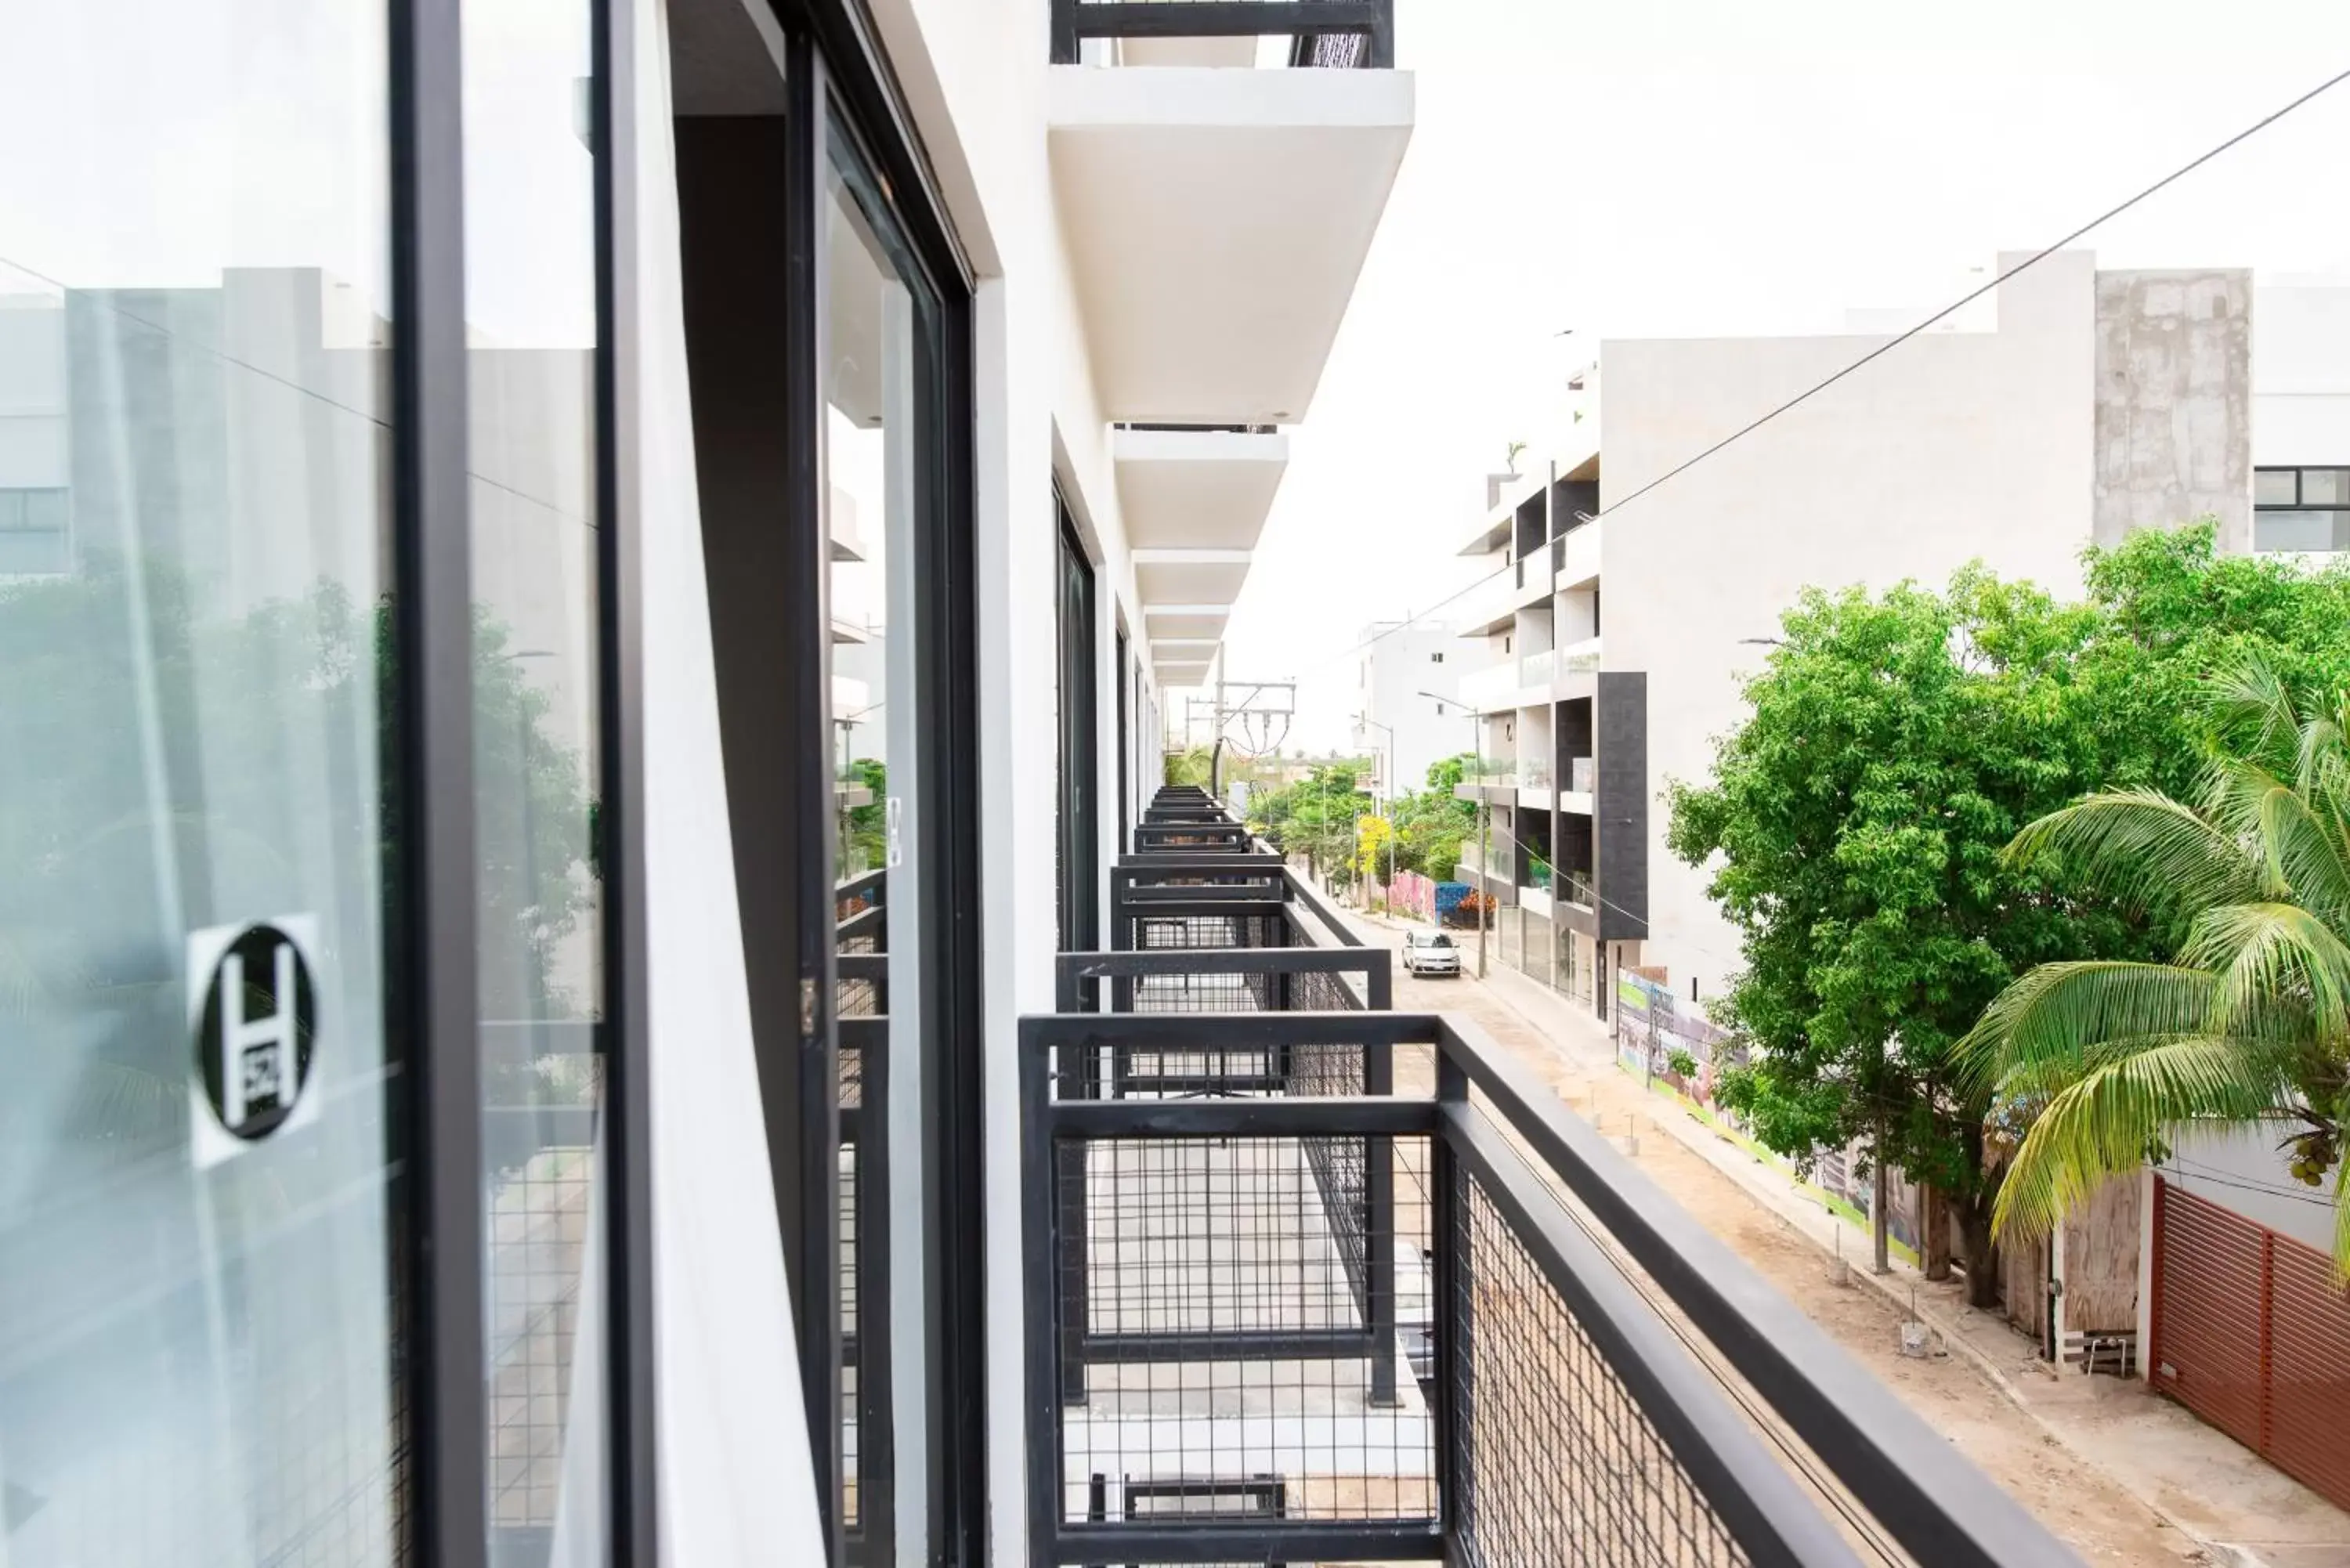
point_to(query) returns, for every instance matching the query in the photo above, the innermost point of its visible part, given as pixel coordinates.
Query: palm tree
(2250, 1024)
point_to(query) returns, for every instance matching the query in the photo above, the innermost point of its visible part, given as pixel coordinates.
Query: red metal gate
(2252, 1333)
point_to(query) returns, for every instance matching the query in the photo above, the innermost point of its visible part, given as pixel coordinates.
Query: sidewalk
(2202, 1483)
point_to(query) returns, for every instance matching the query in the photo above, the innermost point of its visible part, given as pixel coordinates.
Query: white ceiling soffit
(1216, 223)
(1191, 576)
(1181, 653)
(1230, 52)
(1175, 675)
(1206, 488)
(1167, 622)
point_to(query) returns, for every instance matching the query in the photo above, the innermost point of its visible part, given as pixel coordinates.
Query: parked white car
(1430, 952)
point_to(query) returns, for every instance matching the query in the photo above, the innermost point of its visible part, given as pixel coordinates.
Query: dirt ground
(2089, 1510)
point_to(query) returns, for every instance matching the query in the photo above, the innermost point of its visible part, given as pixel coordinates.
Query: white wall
(2300, 373)
(2241, 1171)
(1955, 447)
(1401, 663)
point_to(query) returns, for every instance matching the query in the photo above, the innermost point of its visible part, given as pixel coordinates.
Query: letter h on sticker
(257, 1055)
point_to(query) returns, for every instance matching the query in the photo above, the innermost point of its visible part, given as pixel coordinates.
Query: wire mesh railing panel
(1233, 991)
(1194, 931)
(1554, 1462)
(538, 1219)
(1341, 1166)
(1211, 1334)
(1157, 931)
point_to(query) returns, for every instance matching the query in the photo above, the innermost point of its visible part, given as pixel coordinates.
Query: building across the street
(1404, 672)
(2086, 403)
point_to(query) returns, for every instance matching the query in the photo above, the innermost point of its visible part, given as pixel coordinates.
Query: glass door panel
(199, 1362)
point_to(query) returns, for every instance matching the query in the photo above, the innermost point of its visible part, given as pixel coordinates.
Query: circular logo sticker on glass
(256, 1028)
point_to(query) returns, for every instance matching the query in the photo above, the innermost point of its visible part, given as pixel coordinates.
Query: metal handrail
(1943, 1511)
(1358, 33)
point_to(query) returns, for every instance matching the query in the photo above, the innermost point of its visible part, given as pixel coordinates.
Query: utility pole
(1388, 813)
(1225, 713)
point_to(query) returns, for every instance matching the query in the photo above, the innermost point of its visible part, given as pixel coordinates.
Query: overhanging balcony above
(1195, 486)
(1216, 218)
(1191, 576)
(1183, 639)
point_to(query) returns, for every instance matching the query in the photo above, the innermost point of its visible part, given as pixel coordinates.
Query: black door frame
(943, 1471)
(1125, 676)
(1077, 613)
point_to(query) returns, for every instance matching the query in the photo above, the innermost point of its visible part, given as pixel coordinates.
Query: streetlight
(1364, 719)
(1484, 812)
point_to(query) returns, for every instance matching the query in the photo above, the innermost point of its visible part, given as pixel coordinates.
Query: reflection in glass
(198, 1356)
(530, 318)
(2325, 488)
(2275, 487)
(870, 431)
(2300, 530)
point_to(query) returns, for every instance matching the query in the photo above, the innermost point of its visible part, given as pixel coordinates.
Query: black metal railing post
(1039, 1257)
(1447, 1303)
(1380, 1210)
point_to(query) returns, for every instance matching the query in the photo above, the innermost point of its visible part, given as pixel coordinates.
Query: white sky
(1670, 168)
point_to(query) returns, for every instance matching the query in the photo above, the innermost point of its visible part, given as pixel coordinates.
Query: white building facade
(1404, 673)
(2087, 404)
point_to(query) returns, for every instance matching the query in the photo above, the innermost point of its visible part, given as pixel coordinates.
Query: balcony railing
(1582, 776)
(1301, 1317)
(1309, 1280)
(1206, 836)
(1336, 34)
(1537, 669)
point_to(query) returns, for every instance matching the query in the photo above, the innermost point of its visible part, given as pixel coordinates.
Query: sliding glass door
(200, 1356)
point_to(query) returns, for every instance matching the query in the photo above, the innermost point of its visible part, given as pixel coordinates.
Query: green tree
(1316, 817)
(1895, 744)
(864, 839)
(1857, 818)
(2249, 1022)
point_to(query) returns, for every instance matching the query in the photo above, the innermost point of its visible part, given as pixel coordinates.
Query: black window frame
(2300, 503)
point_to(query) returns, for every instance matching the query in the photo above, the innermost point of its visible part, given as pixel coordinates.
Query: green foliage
(1316, 817)
(865, 828)
(2250, 1021)
(1189, 767)
(1893, 746)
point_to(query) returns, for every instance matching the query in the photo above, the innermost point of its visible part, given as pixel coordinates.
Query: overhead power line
(1885, 347)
